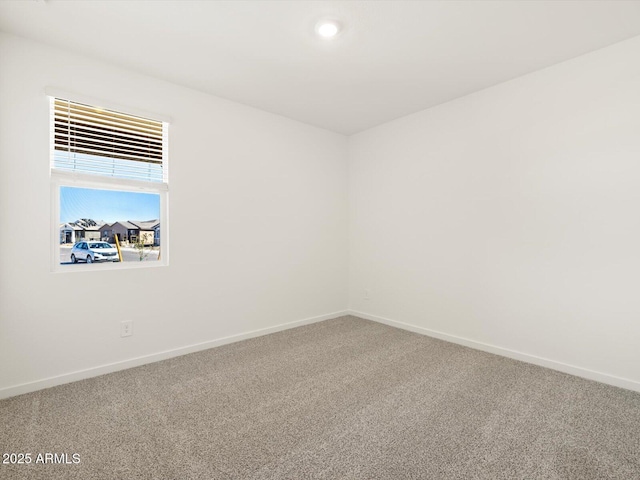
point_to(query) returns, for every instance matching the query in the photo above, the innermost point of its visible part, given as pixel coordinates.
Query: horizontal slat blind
(88, 139)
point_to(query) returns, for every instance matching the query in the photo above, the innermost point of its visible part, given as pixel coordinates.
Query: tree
(140, 247)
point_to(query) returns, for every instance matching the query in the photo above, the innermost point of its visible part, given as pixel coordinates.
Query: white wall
(508, 218)
(268, 194)
(511, 217)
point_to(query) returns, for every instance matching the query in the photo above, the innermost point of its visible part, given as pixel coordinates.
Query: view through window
(108, 226)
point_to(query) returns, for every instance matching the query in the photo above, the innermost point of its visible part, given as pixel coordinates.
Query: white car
(94, 252)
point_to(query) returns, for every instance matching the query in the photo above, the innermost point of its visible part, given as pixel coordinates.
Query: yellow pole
(118, 247)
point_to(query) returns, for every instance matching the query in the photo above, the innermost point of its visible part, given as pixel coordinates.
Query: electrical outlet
(367, 294)
(126, 328)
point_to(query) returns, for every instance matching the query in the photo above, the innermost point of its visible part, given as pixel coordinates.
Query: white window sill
(101, 267)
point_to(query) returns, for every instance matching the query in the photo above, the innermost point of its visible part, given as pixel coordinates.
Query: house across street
(127, 232)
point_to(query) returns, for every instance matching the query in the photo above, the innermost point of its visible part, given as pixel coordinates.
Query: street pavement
(128, 255)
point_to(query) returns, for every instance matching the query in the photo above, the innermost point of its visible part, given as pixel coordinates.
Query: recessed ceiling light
(327, 28)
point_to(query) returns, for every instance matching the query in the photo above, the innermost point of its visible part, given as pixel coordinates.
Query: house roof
(126, 225)
(145, 224)
(87, 224)
(91, 225)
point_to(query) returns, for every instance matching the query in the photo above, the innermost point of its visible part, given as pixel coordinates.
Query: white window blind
(87, 139)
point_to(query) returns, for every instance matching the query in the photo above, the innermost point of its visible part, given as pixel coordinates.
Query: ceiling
(393, 58)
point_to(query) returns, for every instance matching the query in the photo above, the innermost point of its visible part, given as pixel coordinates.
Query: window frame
(60, 178)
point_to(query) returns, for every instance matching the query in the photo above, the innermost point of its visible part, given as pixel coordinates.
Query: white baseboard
(155, 357)
(505, 352)
(164, 355)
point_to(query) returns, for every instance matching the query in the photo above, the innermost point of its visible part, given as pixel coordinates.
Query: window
(109, 187)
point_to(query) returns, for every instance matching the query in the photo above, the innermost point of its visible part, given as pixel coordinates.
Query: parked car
(94, 252)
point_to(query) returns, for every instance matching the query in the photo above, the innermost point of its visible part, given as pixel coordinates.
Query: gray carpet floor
(341, 399)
